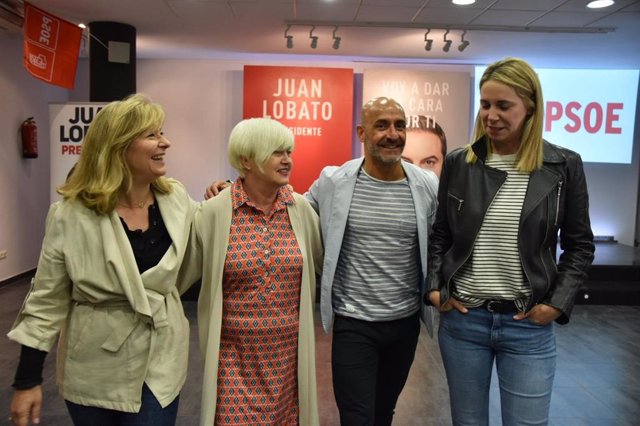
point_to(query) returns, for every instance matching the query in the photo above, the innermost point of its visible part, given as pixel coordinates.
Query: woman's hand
(434, 298)
(26, 405)
(540, 314)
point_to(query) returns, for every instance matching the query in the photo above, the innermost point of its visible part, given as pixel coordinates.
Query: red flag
(51, 47)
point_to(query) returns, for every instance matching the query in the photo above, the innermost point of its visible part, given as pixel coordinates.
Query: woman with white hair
(258, 246)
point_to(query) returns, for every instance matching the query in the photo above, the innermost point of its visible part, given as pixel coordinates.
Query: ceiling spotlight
(428, 42)
(463, 2)
(336, 39)
(463, 43)
(447, 43)
(598, 4)
(314, 39)
(288, 37)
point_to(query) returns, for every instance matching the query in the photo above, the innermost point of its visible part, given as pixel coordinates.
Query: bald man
(376, 213)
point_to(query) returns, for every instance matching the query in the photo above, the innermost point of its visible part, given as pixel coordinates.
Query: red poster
(51, 47)
(315, 103)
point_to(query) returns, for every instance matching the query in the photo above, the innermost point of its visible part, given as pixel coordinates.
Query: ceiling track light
(288, 37)
(428, 42)
(447, 43)
(336, 39)
(463, 43)
(314, 39)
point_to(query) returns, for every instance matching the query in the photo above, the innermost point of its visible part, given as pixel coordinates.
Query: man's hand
(26, 405)
(215, 188)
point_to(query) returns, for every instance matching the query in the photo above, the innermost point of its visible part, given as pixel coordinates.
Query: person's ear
(360, 131)
(246, 163)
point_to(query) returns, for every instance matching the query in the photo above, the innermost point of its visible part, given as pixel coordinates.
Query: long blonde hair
(517, 74)
(102, 174)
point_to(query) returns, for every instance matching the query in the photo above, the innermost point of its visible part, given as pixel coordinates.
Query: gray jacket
(330, 195)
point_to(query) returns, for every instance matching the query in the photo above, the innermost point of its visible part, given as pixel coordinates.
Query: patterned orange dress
(258, 366)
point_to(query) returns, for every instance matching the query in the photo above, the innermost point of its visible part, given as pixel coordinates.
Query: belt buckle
(490, 303)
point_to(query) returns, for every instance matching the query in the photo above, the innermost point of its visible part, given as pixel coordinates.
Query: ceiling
(562, 33)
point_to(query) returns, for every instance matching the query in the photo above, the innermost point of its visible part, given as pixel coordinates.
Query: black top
(149, 246)
(148, 249)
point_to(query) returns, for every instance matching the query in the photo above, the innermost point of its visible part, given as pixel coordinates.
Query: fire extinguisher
(29, 138)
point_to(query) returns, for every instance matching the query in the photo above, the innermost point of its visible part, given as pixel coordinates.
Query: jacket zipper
(542, 260)
(460, 201)
(555, 223)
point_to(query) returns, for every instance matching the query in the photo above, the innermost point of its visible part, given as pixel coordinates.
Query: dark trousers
(370, 363)
(151, 413)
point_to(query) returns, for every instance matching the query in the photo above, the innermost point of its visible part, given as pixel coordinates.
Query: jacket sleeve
(191, 267)
(313, 194)
(46, 306)
(440, 238)
(315, 237)
(576, 240)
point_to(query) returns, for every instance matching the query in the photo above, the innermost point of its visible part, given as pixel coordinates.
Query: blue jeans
(151, 413)
(525, 358)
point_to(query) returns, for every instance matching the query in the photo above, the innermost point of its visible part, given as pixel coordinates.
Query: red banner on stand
(315, 103)
(51, 47)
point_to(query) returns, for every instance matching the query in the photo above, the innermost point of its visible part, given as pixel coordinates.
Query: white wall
(24, 183)
(203, 100)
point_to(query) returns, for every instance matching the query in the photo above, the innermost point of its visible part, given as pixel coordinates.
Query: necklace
(139, 205)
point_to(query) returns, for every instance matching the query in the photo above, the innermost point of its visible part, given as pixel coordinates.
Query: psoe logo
(39, 61)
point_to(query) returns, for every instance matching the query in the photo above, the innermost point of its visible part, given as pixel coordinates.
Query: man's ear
(360, 132)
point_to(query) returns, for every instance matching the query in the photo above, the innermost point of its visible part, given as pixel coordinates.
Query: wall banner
(588, 111)
(439, 96)
(315, 103)
(69, 123)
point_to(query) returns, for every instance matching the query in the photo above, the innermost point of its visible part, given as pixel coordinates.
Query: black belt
(500, 306)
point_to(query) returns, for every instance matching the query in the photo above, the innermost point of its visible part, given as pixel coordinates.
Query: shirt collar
(239, 196)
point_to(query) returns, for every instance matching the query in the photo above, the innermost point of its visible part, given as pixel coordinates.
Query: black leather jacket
(556, 200)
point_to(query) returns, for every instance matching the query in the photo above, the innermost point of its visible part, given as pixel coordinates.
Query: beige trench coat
(119, 328)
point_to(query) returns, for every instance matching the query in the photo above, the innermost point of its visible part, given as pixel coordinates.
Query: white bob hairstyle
(257, 139)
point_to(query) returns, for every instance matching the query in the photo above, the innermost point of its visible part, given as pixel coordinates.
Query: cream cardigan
(209, 241)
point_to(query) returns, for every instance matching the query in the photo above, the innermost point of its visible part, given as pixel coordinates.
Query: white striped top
(377, 272)
(494, 269)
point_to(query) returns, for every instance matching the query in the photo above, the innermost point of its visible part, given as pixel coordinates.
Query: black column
(112, 61)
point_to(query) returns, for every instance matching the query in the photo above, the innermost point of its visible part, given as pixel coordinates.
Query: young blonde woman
(492, 257)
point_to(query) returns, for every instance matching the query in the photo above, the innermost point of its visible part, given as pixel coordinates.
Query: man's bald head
(377, 105)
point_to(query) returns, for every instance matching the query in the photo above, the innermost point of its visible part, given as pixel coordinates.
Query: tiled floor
(597, 382)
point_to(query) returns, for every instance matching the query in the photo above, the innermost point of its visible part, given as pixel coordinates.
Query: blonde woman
(106, 280)
(492, 258)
